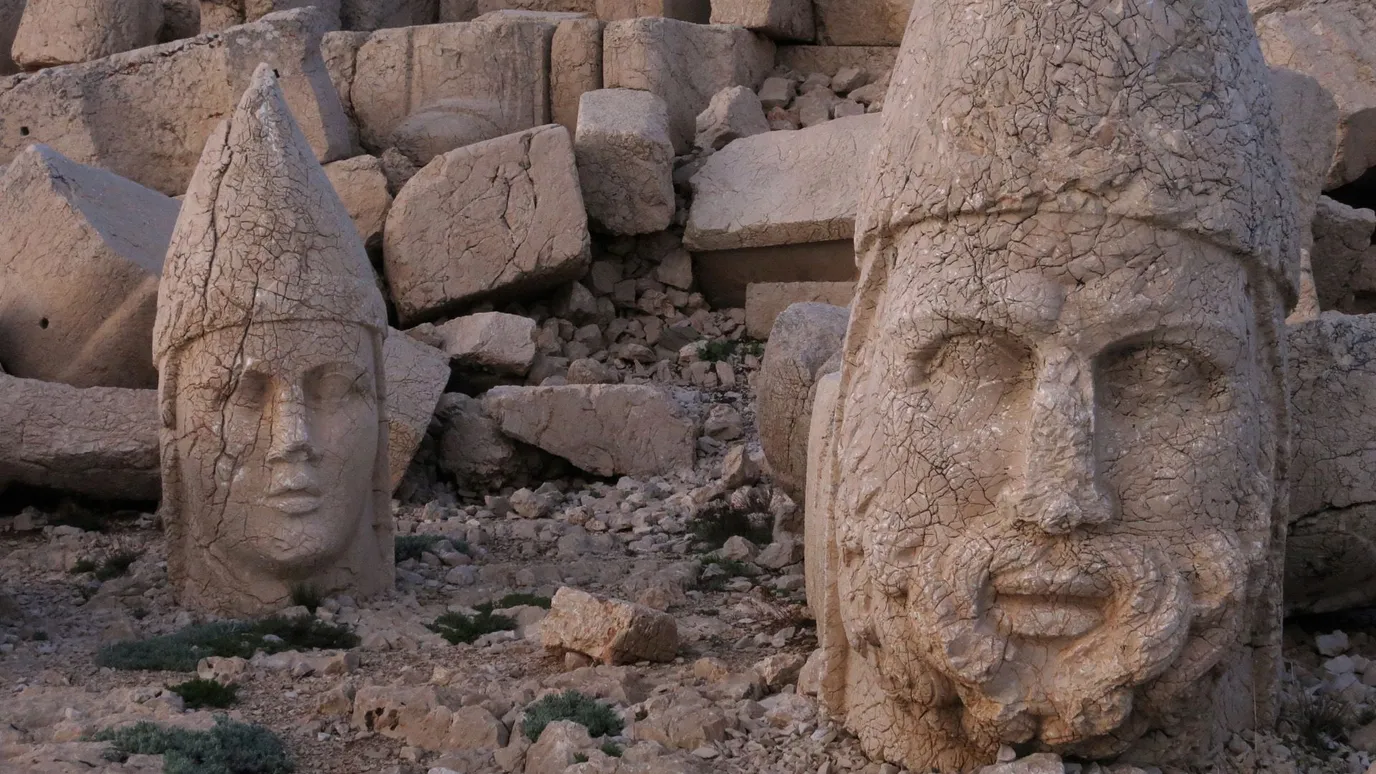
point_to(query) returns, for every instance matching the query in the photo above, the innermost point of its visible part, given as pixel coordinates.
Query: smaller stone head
(269, 349)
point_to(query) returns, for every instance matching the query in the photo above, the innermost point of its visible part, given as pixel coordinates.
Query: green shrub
(517, 600)
(205, 693)
(228, 748)
(412, 546)
(116, 565)
(179, 652)
(611, 749)
(84, 566)
(717, 521)
(1322, 721)
(306, 596)
(593, 715)
(459, 628)
(722, 349)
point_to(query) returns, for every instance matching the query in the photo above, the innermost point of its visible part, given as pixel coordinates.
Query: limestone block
(575, 68)
(778, 19)
(416, 378)
(733, 113)
(58, 32)
(81, 252)
(724, 275)
(369, 15)
(765, 301)
(696, 11)
(607, 429)
(1331, 41)
(874, 60)
(781, 188)
(626, 160)
(609, 630)
(1330, 561)
(685, 64)
(444, 126)
(487, 221)
(490, 341)
(11, 13)
(862, 22)
(362, 187)
(1343, 258)
(802, 348)
(426, 717)
(100, 442)
(116, 112)
(473, 449)
(468, 10)
(501, 62)
(1308, 118)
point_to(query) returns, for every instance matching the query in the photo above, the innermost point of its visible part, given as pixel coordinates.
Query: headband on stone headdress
(1155, 110)
(262, 236)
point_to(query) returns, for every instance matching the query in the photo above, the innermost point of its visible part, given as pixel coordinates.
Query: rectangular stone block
(724, 275)
(467, 10)
(764, 301)
(146, 114)
(504, 63)
(685, 64)
(777, 19)
(575, 68)
(487, 221)
(625, 160)
(782, 188)
(862, 22)
(696, 11)
(875, 60)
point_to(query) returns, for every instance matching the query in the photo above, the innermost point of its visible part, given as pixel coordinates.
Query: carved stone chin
(269, 349)
(1043, 504)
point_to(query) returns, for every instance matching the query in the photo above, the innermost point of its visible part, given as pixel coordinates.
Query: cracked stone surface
(269, 344)
(81, 252)
(625, 160)
(575, 60)
(487, 221)
(1054, 498)
(58, 32)
(862, 22)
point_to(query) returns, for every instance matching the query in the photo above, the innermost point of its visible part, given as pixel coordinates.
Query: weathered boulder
(561, 744)
(606, 429)
(685, 64)
(804, 345)
(118, 112)
(733, 113)
(473, 448)
(81, 252)
(575, 58)
(99, 441)
(416, 376)
(609, 630)
(862, 22)
(625, 160)
(696, 11)
(1331, 40)
(765, 301)
(362, 186)
(779, 19)
(58, 32)
(1330, 553)
(1343, 257)
(487, 221)
(490, 341)
(503, 63)
(1308, 119)
(444, 126)
(426, 717)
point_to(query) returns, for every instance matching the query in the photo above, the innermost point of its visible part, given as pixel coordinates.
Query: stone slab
(724, 275)
(765, 301)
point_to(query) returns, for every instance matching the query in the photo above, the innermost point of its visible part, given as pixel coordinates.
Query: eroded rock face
(1060, 422)
(268, 342)
(58, 32)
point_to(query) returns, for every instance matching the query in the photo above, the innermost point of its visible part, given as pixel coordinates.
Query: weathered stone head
(268, 344)
(1055, 484)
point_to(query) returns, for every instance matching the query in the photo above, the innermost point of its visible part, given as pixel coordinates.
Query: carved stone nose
(291, 436)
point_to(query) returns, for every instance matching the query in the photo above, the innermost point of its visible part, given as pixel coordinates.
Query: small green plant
(611, 749)
(593, 715)
(116, 565)
(179, 651)
(518, 599)
(412, 546)
(84, 566)
(580, 758)
(1322, 721)
(205, 693)
(306, 596)
(228, 748)
(722, 349)
(458, 628)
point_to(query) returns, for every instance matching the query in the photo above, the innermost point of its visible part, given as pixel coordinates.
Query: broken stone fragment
(426, 717)
(474, 450)
(733, 113)
(119, 113)
(684, 64)
(575, 68)
(609, 630)
(777, 92)
(562, 744)
(416, 377)
(59, 32)
(778, 19)
(625, 160)
(490, 341)
(81, 253)
(765, 301)
(632, 430)
(444, 126)
(487, 221)
(362, 186)
(1343, 257)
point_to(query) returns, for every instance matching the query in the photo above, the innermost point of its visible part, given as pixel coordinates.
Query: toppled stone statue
(1054, 499)
(268, 343)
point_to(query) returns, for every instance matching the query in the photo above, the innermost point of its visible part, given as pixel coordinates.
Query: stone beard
(276, 440)
(1055, 463)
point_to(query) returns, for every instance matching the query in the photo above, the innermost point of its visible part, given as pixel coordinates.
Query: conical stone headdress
(262, 235)
(1156, 110)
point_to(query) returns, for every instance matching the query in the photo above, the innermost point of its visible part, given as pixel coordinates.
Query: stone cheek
(1053, 517)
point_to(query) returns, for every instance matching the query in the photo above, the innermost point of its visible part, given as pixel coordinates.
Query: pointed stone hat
(1155, 110)
(262, 236)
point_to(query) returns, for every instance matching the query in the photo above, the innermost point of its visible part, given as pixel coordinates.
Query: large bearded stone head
(1056, 461)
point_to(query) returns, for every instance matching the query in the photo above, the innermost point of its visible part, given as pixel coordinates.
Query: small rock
(780, 669)
(610, 630)
(849, 79)
(1331, 644)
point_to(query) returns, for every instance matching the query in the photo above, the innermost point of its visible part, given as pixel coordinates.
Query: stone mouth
(1042, 602)
(293, 503)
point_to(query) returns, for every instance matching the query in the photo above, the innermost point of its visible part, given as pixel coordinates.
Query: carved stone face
(1054, 491)
(277, 438)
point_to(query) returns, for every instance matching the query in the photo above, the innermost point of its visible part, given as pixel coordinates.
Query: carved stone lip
(1052, 583)
(1050, 602)
(295, 502)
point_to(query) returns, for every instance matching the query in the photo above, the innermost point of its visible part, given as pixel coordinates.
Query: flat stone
(575, 68)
